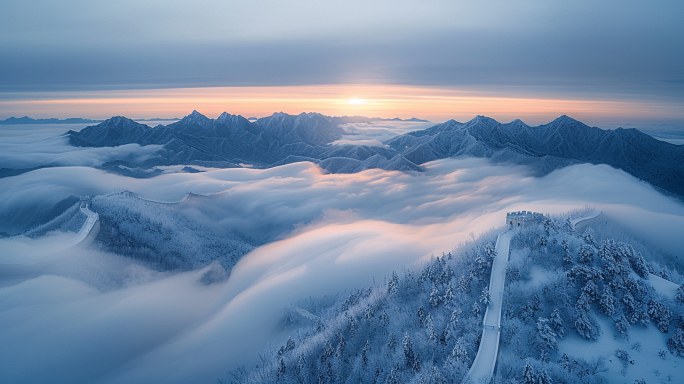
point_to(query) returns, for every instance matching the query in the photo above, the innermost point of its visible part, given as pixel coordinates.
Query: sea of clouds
(84, 315)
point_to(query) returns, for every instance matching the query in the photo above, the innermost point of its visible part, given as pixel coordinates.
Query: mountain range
(233, 141)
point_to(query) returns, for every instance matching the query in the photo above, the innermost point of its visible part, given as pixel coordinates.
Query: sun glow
(434, 104)
(354, 101)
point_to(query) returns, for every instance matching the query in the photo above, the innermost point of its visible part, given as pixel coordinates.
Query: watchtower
(521, 218)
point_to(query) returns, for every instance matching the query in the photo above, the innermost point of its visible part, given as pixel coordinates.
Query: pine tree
(567, 259)
(676, 344)
(591, 290)
(435, 298)
(450, 294)
(607, 302)
(641, 316)
(582, 305)
(393, 285)
(490, 251)
(459, 352)
(622, 326)
(476, 309)
(290, 344)
(481, 266)
(586, 254)
(587, 326)
(328, 351)
(301, 364)
(281, 368)
(660, 314)
(455, 316)
(485, 298)
(544, 378)
(543, 241)
(546, 335)
(369, 312)
(421, 316)
(566, 246)
(629, 305)
(432, 334)
(339, 351)
(464, 283)
(392, 343)
(409, 356)
(557, 323)
(565, 362)
(680, 294)
(639, 266)
(528, 375)
(384, 318)
(392, 377)
(364, 353)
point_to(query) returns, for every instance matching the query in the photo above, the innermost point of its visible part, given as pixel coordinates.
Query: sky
(609, 61)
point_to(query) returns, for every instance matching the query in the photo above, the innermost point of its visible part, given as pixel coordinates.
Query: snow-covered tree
(546, 335)
(544, 378)
(281, 368)
(587, 326)
(341, 345)
(490, 251)
(680, 294)
(639, 266)
(556, 323)
(476, 309)
(409, 356)
(435, 297)
(392, 343)
(529, 376)
(393, 285)
(485, 298)
(607, 302)
(588, 238)
(364, 353)
(421, 316)
(660, 314)
(369, 312)
(622, 326)
(459, 352)
(586, 254)
(676, 344)
(384, 318)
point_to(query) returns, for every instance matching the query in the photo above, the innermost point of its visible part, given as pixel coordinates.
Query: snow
(88, 227)
(647, 364)
(483, 365)
(662, 286)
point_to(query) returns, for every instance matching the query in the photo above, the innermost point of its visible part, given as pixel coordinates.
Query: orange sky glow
(435, 104)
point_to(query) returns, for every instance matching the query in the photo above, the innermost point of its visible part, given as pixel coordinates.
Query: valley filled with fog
(128, 313)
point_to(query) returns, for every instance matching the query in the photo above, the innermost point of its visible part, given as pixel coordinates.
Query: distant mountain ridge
(28, 120)
(231, 140)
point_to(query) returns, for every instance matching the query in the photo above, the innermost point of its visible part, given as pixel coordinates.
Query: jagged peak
(564, 119)
(119, 121)
(483, 119)
(195, 117)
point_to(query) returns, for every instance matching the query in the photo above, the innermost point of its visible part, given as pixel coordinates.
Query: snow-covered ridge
(231, 140)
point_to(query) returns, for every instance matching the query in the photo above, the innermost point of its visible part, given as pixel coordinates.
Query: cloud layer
(335, 232)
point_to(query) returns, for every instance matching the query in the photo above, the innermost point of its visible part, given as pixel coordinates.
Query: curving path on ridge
(482, 370)
(91, 225)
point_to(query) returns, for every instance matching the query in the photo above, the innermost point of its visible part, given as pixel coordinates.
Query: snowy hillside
(577, 309)
(163, 235)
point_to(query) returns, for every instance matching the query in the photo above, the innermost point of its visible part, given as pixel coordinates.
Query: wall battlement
(520, 218)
